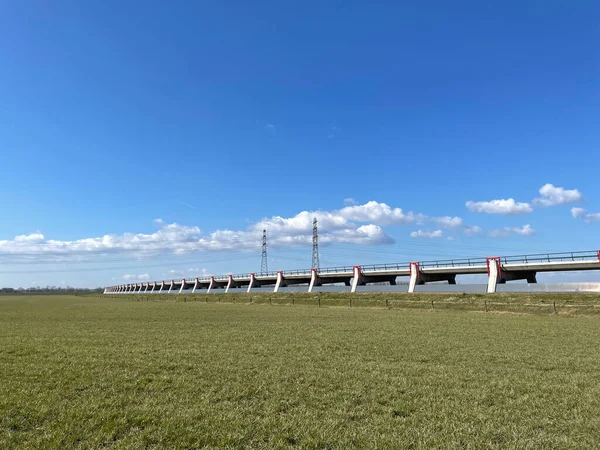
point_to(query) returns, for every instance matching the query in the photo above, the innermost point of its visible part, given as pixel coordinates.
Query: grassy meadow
(276, 371)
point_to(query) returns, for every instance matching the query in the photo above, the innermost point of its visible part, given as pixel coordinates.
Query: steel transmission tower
(264, 269)
(315, 251)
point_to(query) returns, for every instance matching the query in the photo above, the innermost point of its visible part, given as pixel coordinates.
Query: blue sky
(152, 140)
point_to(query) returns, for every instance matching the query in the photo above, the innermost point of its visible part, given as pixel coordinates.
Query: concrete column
(182, 286)
(314, 280)
(252, 282)
(211, 285)
(415, 276)
(171, 286)
(357, 278)
(196, 285)
(494, 273)
(147, 286)
(280, 281)
(153, 286)
(162, 286)
(229, 283)
(140, 289)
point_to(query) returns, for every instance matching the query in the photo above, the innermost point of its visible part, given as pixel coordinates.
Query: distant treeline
(49, 290)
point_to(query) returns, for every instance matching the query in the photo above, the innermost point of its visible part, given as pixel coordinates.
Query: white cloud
(134, 277)
(30, 238)
(553, 195)
(271, 129)
(472, 230)
(509, 206)
(380, 214)
(587, 217)
(349, 201)
(525, 230)
(356, 224)
(427, 234)
(448, 222)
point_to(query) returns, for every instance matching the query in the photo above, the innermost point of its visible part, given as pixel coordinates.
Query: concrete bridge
(499, 270)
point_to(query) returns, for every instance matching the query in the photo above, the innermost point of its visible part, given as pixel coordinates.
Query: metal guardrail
(466, 262)
(551, 257)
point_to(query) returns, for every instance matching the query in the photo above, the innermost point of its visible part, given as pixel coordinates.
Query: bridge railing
(388, 266)
(297, 272)
(468, 262)
(550, 257)
(240, 275)
(336, 269)
(266, 274)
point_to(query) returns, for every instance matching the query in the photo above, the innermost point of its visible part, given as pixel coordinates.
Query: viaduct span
(498, 269)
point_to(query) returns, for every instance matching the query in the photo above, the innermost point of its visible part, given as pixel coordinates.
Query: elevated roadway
(499, 269)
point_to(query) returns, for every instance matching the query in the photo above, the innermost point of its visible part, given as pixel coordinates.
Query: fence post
(554, 306)
(486, 309)
(319, 299)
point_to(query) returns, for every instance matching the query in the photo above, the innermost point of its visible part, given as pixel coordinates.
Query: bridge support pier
(252, 283)
(314, 280)
(182, 286)
(171, 286)
(211, 285)
(357, 278)
(280, 281)
(196, 285)
(230, 284)
(497, 275)
(360, 279)
(153, 287)
(418, 277)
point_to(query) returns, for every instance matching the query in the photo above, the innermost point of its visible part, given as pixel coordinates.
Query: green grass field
(107, 371)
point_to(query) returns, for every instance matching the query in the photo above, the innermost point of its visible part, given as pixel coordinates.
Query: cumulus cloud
(580, 213)
(525, 230)
(136, 277)
(509, 206)
(553, 195)
(448, 222)
(356, 224)
(30, 238)
(427, 234)
(472, 230)
(349, 201)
